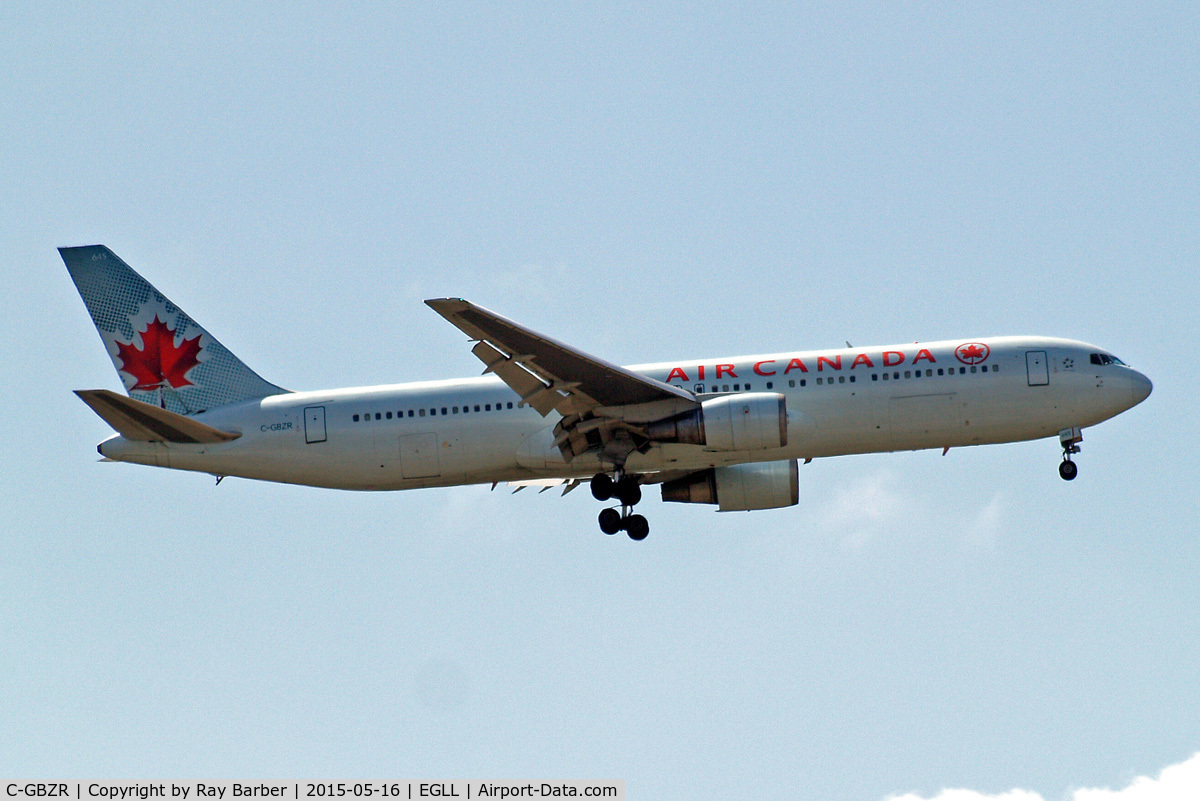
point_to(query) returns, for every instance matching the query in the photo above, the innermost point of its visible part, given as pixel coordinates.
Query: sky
(648, 183)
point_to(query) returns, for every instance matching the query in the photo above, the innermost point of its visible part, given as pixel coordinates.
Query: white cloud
(861, 506)
(885, 503)
(529, 280)
(1176, 783)
(985, 527)
(971, 795)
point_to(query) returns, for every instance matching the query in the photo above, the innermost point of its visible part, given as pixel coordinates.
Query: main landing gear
(626, 490)
(1070, 439)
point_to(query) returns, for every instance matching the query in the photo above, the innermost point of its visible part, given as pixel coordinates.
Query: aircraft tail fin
(162, 356)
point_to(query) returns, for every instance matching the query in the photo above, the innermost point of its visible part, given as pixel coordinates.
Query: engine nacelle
(745, 422)
(740, 487)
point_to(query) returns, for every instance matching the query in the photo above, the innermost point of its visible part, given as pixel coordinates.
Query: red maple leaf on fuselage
(972, 352)
(160, 361)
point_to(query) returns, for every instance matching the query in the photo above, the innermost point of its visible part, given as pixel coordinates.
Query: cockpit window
(1104, 358)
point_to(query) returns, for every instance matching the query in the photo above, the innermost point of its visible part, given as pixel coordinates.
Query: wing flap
(144, 422)
(544, 484)
(531, 389)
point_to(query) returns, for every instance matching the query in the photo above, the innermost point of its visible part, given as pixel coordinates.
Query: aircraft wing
(550, 375)
(604, 407)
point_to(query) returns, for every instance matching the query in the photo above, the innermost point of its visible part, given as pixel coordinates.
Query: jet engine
(745, 422)
(740, 487)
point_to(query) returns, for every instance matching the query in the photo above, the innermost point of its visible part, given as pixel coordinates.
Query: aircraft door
(314, 424)
(1037, 366)
(419, 456)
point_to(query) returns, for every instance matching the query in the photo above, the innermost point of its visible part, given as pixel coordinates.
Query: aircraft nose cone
(1140, 387)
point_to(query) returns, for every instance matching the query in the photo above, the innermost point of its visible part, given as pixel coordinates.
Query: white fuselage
(473, 430)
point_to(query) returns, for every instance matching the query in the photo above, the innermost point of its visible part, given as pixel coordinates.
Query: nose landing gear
(626, 490)
(1069, 438)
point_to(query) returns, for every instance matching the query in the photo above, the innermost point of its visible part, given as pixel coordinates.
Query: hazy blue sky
(647, 183)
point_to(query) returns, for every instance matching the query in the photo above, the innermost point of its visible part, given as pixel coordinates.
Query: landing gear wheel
(1069, 438)
(637, 527)
(610, 521)
(602, 486)
(628, 491)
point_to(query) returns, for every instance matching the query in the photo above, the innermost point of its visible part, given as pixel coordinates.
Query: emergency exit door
(314, 424)
(1038, 368)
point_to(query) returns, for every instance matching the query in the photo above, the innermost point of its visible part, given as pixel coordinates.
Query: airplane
(727, 432)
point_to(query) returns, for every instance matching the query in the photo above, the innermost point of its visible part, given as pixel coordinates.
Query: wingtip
(446, 306)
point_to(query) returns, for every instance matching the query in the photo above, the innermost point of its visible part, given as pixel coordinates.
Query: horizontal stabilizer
(144, 422)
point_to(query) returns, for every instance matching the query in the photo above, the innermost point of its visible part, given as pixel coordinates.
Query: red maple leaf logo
(972, 352)
(160, 361)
